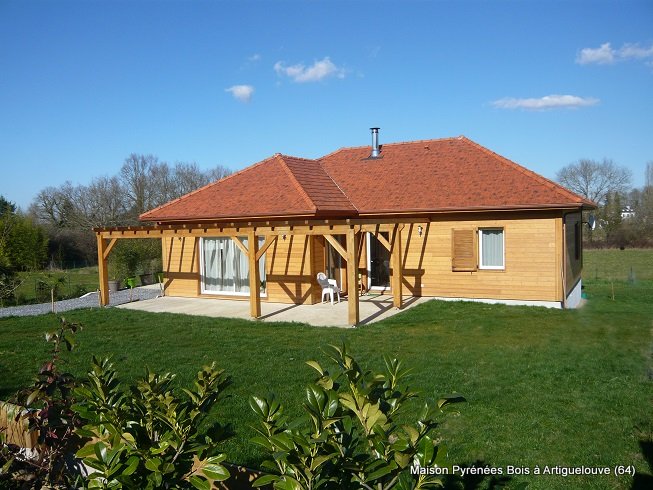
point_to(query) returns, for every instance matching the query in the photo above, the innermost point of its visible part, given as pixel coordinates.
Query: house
(627, 212)
(444, 218)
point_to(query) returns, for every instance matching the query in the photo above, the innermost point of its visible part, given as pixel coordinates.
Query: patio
(373, 308)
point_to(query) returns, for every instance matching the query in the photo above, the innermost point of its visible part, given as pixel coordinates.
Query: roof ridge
(326, 172)
(296, 183)
(210, 184)
(541, 179)
(397, 143)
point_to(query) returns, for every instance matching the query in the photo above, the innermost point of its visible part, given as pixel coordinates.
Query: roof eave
(469, 209)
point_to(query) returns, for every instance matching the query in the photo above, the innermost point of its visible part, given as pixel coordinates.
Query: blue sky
(84, 84)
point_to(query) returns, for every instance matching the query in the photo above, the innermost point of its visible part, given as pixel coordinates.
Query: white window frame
(503, 248)
(223, 293)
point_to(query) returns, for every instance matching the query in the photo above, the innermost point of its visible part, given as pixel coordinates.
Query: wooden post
(254, 276)
(397, 273)
(352, 278)
(102, 270)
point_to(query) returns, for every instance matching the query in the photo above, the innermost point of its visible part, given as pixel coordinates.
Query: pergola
(352, 229)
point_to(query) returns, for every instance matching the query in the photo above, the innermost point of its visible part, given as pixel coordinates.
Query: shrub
(49, 413)
(350, 436)
(148, 436)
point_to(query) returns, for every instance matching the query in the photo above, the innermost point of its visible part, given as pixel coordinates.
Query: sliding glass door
(225, 268)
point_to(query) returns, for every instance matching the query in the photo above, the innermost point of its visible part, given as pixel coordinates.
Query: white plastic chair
(329, 287)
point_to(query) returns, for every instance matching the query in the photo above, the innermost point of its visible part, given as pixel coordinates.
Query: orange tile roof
(452, 174)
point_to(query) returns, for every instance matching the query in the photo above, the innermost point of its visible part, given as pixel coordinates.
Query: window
(491, 248)
(577, 240)
(225, 268)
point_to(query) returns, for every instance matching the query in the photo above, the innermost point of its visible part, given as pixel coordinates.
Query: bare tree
(594, 180)
(134, 175)
(216, 173)
(53, 205)
(188, 177)
(162, 183)
(102, 202)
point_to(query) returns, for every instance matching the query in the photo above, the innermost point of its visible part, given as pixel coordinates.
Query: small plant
(51, 283)
(148, 436)
(49, 411)
(350, 436)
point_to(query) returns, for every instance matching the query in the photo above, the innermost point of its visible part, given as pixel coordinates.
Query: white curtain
(226, 267)
(492, 248)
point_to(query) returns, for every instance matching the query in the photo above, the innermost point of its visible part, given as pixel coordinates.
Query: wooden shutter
(463, 250)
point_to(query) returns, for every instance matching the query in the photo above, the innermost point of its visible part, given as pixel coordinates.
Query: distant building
(627, 212)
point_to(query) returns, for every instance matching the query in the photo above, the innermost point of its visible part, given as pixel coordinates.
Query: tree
(23, 246)
(134, 175)
(69, 212)
(611, 219)
(594, 180)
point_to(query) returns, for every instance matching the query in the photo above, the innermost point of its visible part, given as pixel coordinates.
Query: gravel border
(89, 300)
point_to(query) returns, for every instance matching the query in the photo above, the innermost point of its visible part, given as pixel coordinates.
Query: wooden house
(444, 218)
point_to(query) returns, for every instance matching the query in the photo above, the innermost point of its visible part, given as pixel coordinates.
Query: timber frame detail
(352, 229)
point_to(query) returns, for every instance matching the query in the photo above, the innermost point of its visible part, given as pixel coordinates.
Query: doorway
(378, 262)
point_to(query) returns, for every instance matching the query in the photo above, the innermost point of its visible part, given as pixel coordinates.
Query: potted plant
(146, 278)
(114, 282)
(131, 283)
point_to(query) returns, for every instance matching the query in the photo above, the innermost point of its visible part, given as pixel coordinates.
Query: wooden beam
(103, 271)
(269, 240)
(107, 251)
(240, 244)
(397, 272)
(353, 317)
(338, 248)
(254, 276)
(382, 239)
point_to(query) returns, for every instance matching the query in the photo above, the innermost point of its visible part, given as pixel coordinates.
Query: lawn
(614, 264)
(74, 283)
(544, 387)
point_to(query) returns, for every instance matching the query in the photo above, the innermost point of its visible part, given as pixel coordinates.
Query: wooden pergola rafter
(351, 229)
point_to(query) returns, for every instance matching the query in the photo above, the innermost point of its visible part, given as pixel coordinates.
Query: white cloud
(241, 92)
(546, 102)
(606, 54)
(602, 55)
(635, 51)
(317, 71)
(254, 58)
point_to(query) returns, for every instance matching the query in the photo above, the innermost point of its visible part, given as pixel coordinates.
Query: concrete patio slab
(372, 309)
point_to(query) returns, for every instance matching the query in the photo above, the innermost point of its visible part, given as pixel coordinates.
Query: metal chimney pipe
(375, 143)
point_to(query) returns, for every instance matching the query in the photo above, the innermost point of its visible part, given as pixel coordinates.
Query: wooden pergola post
(397, 272)
(102, 270)
(254, 276)
(352, 278)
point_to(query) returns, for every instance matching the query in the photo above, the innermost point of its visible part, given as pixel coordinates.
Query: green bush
(49, 413)
(350, 436)
(147, 436)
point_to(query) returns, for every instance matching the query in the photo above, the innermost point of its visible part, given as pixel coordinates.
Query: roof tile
(451, 174)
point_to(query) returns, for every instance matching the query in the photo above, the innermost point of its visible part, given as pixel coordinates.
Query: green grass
(76, 281)
(614, 264)
(544, 387)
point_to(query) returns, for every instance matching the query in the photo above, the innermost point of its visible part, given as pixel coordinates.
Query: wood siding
(181, 266)
(290, 266)
(533, 262)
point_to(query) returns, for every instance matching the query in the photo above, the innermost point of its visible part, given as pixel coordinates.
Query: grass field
(75, 283)
(615, 264)
(544, 387)
(609, 264)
